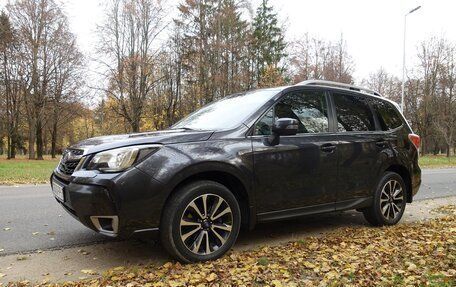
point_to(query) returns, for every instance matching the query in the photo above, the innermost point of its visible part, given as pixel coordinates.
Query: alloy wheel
(392, 200)
(206, 224)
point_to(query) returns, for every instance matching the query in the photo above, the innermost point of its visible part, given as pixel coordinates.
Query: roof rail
(338, 85)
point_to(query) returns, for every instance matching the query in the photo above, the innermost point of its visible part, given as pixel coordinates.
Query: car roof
(338, 85)
(346, 87)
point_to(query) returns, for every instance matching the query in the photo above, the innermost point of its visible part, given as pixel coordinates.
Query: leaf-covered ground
(417, 254)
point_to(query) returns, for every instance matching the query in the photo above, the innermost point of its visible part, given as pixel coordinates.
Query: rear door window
(353, 114)
(388, 116)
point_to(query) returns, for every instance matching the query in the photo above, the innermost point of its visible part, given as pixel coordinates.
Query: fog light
(107, 225)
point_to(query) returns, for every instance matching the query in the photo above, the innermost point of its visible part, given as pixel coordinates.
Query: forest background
(150, 72)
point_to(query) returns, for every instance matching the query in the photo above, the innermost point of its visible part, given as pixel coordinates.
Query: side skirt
(314, 209)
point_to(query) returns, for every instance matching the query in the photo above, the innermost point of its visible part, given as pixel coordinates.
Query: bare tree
(446, 99)
(64, 84)
(430, 55)
(41, 27)
(10, 76)
(384, 83)
(126, 47)
(313, 58)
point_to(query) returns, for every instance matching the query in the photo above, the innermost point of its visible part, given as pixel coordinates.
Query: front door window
(308, 107)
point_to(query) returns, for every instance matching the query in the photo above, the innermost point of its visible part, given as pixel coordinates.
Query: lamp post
(403, 57)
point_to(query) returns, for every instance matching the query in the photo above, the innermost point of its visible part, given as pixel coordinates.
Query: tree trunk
(8, 147)
(54, 139)
(39, 140)
(31, 139)
(422, 146)
(14, 143)
(135, 126)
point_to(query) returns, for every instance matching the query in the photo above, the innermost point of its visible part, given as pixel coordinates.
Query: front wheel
(389, 201)
(200, 222)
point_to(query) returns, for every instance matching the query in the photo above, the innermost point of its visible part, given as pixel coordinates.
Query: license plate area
(57, 189)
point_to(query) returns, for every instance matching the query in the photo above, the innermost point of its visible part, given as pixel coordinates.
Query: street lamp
(403, 57)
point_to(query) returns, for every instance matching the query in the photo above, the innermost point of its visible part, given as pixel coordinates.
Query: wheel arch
(405, 175)
(229, 179)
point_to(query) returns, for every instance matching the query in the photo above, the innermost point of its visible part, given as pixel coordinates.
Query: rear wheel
(200, 222)
(389, 201)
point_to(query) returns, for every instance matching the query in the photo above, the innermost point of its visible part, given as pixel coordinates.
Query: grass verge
(25, 171)
(416, 254)
(437, 161)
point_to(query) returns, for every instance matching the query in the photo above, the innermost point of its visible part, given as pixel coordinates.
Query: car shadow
(264, 234)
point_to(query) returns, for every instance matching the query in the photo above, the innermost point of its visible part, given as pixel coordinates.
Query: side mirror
(284, 127)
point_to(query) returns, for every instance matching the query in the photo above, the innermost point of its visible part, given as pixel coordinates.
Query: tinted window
(264, 125)
(387, 115)
(353, 114)
(309, 108)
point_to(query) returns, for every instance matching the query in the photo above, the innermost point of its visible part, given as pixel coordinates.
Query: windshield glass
(228, 112)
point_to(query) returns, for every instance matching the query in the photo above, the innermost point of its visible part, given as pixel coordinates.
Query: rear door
(360, 148)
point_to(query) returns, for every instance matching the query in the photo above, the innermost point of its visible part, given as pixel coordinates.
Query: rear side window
(353, 114)
(387, 115)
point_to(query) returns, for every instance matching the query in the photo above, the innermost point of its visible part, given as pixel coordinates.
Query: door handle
(381, 143)
(328, 147)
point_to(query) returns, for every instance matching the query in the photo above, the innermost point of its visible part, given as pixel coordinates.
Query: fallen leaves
(446, 209)
(89, 272)
(417, 254)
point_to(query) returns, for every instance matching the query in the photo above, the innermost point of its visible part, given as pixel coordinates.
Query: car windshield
(228, 112)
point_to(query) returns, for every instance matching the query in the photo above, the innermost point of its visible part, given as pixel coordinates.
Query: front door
(299, 175)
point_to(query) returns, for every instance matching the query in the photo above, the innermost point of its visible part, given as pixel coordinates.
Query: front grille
(70, 160)
(79, 152)
(68, 167)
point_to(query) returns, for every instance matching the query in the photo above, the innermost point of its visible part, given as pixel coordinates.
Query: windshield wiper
(183, 128)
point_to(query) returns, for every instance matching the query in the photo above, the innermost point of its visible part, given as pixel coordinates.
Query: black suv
(252, 157)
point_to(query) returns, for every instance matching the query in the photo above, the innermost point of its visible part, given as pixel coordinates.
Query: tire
(192, 235)
(389, 201)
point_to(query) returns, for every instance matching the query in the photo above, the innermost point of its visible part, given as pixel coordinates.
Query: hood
(97, 144)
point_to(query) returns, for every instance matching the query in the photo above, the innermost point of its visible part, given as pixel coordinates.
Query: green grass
(437, 161)
(25, 171)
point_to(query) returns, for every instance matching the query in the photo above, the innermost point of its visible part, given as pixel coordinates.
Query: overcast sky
(372, 29)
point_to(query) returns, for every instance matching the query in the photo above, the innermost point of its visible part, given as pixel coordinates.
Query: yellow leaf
(119, 268)
(89, 272)
(411, 266)
(168, 265)
(309, 265)
(211, 277)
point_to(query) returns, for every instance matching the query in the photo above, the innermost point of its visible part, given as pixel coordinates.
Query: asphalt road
(31, 219)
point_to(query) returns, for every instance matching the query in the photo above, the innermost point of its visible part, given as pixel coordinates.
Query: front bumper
(117, 204)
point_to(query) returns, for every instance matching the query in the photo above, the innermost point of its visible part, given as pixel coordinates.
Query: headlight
(119, 159)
